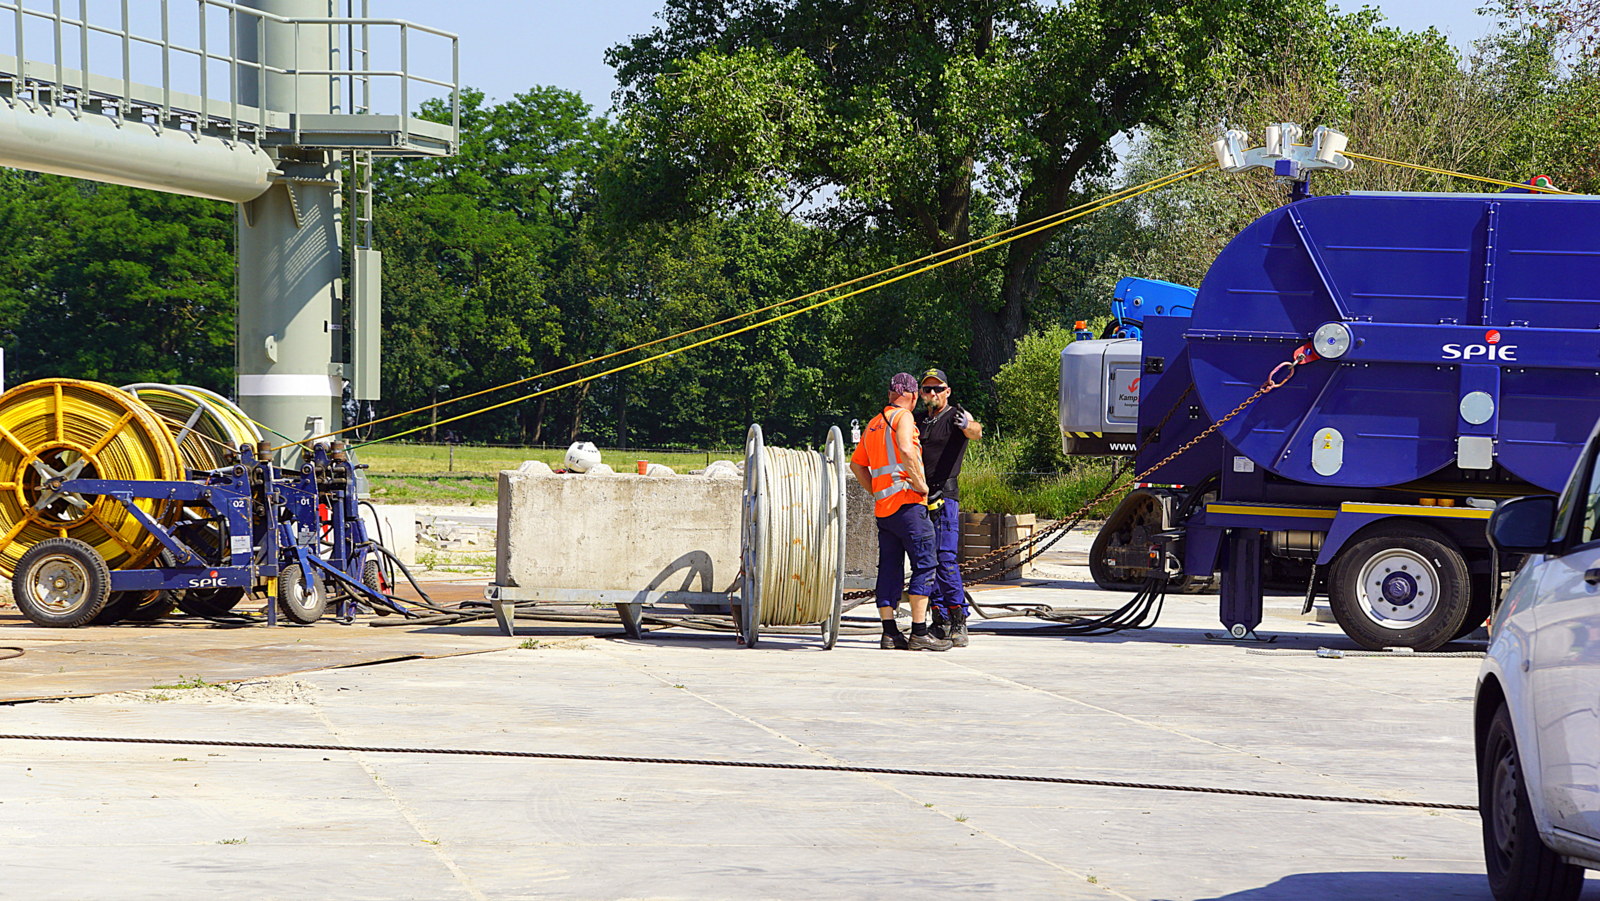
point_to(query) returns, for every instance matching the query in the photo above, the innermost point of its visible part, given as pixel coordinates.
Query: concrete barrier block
(399, 528)
(577, 532)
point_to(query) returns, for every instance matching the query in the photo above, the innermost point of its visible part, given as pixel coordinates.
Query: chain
(742, 764)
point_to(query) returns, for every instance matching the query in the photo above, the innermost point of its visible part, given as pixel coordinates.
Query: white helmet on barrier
(582, 455)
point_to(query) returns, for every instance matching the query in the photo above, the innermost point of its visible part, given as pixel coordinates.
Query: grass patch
(434, 459)
(421, 474)
(992, 483)
(190, 683)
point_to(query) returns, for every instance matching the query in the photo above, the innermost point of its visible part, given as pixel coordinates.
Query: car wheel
(1400, 586)
(1520, 867)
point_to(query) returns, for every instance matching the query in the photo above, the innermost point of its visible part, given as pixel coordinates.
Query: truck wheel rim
(60, 584)
(1398, 588)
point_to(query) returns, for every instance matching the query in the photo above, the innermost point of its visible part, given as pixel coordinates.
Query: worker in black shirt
(945, 429)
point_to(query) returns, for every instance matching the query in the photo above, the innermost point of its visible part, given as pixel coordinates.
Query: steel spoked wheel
(1520, 867)
(1398, 588)
(1400, 585)
(62, 583)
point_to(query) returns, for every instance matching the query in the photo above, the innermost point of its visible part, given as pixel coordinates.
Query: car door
(1564, 658)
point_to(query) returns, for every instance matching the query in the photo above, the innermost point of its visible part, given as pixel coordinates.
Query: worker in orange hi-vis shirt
(888, 464)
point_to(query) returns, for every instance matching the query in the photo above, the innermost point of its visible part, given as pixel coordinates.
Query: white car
(1538, 700)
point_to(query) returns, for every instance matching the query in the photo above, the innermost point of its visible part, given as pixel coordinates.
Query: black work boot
(957, 631)
(928, 643)
(936, 622)
(894, 641)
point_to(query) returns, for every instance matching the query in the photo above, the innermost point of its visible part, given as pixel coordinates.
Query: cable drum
(205, 425)
(792, 537)
(65, 428)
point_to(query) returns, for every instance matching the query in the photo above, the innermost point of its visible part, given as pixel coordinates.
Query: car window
(1591, 507)
(1578, 501)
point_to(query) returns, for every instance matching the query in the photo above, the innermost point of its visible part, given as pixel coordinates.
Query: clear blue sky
(509, 45)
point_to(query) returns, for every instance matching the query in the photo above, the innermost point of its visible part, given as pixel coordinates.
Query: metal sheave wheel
(62, 429)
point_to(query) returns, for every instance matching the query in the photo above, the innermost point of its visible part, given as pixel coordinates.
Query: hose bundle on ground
(792, 536)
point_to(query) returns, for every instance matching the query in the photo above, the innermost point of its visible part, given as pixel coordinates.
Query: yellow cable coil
(800, 547)
(65, 428)
(205, 425)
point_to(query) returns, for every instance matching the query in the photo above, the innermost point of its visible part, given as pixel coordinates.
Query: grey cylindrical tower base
(289, 249)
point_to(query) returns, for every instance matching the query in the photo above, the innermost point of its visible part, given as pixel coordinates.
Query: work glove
(935, 500)
(963, 419)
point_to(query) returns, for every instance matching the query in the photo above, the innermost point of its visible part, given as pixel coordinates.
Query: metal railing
(187, 94)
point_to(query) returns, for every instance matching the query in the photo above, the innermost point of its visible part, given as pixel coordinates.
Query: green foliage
(1028, 391)
(906, 114)
(114, 284)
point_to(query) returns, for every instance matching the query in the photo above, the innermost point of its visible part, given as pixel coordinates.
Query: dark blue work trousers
(907, 532)
(948, 592)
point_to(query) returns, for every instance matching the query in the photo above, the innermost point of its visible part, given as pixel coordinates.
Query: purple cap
(903, 383)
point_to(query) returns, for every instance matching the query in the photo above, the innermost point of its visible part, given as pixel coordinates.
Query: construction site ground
(1167, 706)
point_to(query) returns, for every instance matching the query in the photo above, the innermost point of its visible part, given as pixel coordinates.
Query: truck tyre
(1400, 585)
(210, 603)
(62, 583)
(153, 607)
(121, 605)
(1520, 867)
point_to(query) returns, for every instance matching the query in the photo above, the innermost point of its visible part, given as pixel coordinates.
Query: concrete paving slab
(1162, 706)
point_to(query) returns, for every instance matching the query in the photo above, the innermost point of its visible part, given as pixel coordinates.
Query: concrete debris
(601, 469)
(536, 467)
(659, 469)
(724, 469)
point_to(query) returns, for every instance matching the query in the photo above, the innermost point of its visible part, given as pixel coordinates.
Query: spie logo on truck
(1490, 349)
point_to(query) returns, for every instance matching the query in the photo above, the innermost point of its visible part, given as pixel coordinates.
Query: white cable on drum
(793, 536)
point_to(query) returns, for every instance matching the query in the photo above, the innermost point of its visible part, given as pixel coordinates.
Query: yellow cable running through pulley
(1055, 218)
(1453, 174)
(1083, 210)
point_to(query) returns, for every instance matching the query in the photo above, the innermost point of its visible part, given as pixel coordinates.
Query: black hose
(11, 653)
(1140, 612)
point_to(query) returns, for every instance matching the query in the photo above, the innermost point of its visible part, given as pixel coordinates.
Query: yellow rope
(1083, 210)
(1115, 195)
(1453, 174)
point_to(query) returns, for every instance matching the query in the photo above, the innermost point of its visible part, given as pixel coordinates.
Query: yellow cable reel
(64, 428)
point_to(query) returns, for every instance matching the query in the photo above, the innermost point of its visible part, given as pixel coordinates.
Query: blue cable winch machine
(295, 536)
(1451, 359)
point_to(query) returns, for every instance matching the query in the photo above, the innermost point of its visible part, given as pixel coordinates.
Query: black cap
(935, 374)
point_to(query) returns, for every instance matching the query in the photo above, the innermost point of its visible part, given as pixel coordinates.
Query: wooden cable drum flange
(63, 429)
(792, 537)
(206, 426)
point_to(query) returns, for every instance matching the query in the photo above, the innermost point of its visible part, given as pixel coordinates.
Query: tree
(902, 114)
(115, 284)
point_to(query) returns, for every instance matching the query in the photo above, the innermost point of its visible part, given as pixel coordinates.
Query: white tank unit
(1099, 400)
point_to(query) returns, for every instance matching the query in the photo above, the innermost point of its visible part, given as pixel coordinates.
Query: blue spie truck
(1452, 360)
